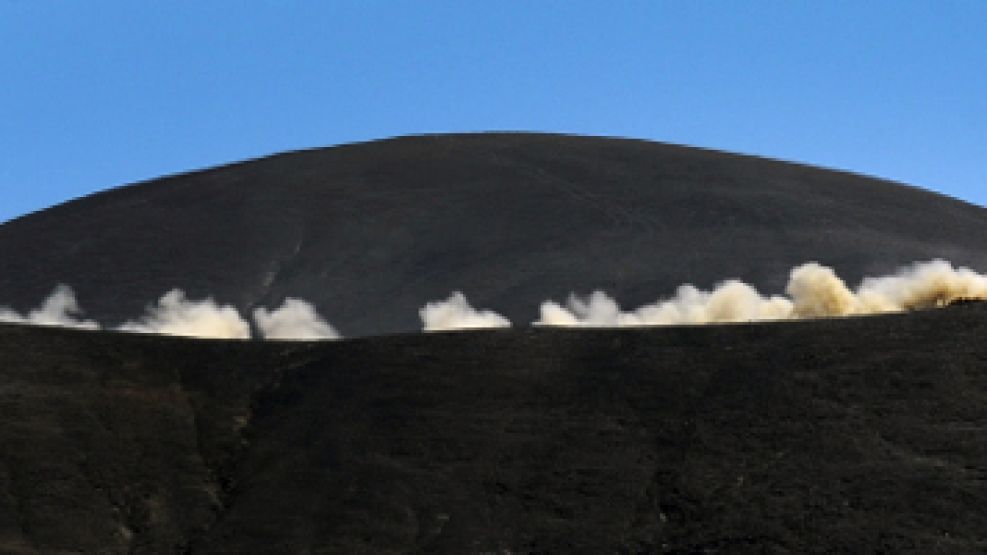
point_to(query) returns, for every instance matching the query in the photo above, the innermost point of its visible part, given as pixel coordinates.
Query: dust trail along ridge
(813, 291)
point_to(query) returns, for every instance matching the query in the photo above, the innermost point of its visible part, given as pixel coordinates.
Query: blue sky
(97, 94)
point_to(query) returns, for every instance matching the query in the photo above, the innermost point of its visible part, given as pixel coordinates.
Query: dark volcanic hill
(850, 436)
(370, 232)
(841, 435)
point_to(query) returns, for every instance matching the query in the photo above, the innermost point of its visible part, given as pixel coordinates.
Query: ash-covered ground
(860, 434)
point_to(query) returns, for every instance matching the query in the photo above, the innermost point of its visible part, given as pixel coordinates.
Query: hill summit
(370, 232)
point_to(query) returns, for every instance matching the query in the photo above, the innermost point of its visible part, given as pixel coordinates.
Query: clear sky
(95, 94)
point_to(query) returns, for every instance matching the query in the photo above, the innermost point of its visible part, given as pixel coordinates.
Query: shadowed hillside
(850, 435)
(370, 232)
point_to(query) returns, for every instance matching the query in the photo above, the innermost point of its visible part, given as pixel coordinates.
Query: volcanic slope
(370, 232)
(847, 435)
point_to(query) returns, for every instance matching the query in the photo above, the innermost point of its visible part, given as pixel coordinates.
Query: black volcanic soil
(370, 232)
(855, 435)
(850, 435)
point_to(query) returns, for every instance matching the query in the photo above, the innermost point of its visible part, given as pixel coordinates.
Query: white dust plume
(174, 314)
(60, 309)
(455, 313)
(813, 291)
(731, 301)
(818, 292)
(294, 319)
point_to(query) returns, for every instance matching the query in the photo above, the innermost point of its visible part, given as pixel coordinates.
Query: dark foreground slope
(370, 232)
(849, 435)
